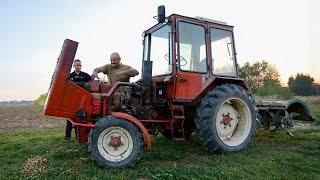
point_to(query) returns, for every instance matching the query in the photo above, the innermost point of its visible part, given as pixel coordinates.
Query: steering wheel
(183, 60)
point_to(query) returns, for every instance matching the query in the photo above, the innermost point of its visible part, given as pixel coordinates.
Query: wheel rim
(115, 144)
(233, 123)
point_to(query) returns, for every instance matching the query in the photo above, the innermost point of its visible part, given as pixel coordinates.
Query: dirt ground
(26, 117)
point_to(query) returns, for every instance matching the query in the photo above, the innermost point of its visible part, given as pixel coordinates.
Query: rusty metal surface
(297, 108)
(264, 104)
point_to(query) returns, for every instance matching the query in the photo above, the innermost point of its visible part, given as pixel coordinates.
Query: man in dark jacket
(79, 77)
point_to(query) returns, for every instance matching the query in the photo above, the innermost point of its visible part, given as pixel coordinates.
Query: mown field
(41, 153)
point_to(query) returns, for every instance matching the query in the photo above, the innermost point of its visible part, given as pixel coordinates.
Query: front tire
(226, 119)
(115, 143)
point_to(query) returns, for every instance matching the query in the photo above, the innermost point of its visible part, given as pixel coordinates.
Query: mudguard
(135, 121)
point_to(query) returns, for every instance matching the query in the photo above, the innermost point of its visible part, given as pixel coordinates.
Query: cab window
(192, 51)
(223, 57)
(160, 51)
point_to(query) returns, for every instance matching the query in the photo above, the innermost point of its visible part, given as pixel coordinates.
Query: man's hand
(94, 75)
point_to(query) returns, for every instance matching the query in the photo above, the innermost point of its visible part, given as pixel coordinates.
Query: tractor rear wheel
(226, 119)
(115, 143)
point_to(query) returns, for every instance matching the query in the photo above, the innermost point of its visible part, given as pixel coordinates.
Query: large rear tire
(115, 143)
(226, 119)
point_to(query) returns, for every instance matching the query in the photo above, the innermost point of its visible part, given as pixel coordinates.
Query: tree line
(264, 80)
(15, 102)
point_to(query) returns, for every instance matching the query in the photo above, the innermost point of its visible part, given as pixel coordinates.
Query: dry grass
(313, 100)
(35, 165)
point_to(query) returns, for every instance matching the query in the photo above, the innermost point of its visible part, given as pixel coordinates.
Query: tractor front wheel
(226, 119)
(115, 143)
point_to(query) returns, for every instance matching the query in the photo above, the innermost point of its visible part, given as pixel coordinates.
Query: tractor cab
(184, 55)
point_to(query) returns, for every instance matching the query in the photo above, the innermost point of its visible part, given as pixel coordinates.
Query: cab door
(192, 60)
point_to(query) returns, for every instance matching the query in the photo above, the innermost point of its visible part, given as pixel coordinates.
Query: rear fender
(213, 82)
(135, 121)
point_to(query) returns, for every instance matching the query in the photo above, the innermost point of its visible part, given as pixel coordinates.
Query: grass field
(315, 111)
(272, 156)
(38, 152)
(314, 104)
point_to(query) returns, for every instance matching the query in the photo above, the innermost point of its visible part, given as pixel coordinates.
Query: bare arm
(98, 70)
(130, 72)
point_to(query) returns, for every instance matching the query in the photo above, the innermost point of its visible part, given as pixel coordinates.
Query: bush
(285, 93)
(41, 100)
(302, 85)
(259, 74)
(276, 92)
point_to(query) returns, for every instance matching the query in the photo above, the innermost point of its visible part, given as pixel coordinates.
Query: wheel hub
(115, 142)
(226, 120)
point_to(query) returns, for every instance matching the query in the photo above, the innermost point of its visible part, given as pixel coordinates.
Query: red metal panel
(60, 76)
(169, 90)
(82, 134)
(66, 103)
(65, 98)
(94, 86)
(96, 103)
(188, 85)
(82, 130)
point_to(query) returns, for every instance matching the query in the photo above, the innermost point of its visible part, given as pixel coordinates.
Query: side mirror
(161, 14)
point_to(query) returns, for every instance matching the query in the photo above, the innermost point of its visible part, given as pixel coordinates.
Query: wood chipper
(189, 84)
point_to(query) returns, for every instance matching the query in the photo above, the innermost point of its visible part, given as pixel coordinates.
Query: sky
(284, 33)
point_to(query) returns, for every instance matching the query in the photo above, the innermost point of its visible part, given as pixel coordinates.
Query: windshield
(160, 51)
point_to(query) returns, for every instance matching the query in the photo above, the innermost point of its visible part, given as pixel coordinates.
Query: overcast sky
(284, 33)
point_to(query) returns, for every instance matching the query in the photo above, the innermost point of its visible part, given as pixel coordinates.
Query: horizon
(33, 32)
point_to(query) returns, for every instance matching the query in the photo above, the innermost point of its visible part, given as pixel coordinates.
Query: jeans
(68, 129)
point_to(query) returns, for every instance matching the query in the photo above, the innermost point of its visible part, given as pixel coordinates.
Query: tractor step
(177, 107)
(177, 123)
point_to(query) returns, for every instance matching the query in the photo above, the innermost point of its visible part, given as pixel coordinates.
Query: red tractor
(189, 84)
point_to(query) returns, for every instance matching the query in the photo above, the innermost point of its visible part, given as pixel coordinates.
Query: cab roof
(197, 19)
